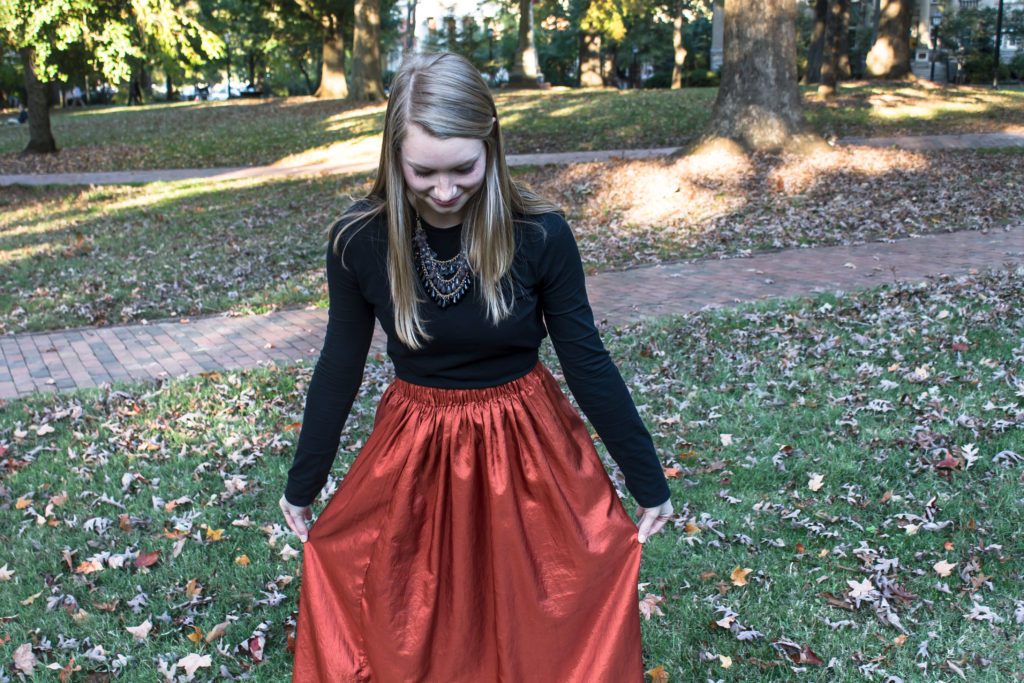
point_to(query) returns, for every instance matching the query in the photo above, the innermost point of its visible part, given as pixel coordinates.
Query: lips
(451, 202)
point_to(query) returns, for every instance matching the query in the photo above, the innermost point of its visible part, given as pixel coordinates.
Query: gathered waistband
(438, 396)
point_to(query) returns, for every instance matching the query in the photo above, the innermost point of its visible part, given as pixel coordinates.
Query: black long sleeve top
(466, 350)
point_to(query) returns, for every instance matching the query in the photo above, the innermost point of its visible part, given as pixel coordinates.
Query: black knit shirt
(466, 350)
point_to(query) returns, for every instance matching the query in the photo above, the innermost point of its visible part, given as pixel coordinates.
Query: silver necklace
(445, 280)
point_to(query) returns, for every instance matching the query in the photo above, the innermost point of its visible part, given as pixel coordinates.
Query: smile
(451, 202)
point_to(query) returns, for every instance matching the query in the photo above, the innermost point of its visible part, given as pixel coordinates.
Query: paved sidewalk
(66, 360)
(365, 158)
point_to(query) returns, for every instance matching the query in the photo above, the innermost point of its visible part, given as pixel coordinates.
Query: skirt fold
(475, 538)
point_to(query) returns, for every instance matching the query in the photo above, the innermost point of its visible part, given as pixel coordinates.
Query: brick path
(65, 360)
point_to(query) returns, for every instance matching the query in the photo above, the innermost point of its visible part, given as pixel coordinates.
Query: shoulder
(361, 228)
(543, 230)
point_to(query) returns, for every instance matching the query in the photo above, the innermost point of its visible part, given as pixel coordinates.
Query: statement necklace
(445, 280)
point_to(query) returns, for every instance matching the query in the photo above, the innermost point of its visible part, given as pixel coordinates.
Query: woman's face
(441, 174)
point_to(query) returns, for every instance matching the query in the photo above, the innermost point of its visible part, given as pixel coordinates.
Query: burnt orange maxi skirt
(475, 538)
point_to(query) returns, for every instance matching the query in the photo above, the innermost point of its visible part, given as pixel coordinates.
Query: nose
(445, 188)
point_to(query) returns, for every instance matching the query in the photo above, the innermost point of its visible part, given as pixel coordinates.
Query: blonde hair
(446, 95)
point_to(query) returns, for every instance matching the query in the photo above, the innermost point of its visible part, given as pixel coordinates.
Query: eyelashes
(465, 170)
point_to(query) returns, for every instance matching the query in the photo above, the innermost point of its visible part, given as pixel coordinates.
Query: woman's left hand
(652, 519)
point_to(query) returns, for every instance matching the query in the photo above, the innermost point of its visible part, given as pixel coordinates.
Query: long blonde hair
(446, 95)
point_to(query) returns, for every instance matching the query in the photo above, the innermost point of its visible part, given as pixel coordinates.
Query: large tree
(525, 70)
(367, 85)
(333, 19)
(890, 55)
(759, 104)
(113, 34)
(836, 28)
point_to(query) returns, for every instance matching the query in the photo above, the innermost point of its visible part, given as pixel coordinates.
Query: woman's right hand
(296, 517)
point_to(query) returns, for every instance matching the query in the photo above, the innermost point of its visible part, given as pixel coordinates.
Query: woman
(477, 536)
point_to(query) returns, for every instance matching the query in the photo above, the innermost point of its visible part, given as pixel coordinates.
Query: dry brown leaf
(943, 568)
(739, 576)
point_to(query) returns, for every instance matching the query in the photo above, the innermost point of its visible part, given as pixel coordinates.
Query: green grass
(871, 391)
(247, 132)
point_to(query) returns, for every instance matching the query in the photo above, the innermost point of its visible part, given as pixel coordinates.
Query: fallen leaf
(196, 635)
(807, 656)
(5, 573)
(943, 568)
(141, 632)
(45, 429)
(691, 528)
(192, 588)
(672, 472)
(146, 559)
(30, 599)
(658, 674)
(816, 482)
(649, 606)
(725, 622)
(216, 632)
(726, 662)
(289, 553)
(24, 660)
(193, 661)
(799, 547)
(242, 560)
(899, 640)
(860, 588)
(739, 576)
(22, 503)
(726, 439)
(214, 534)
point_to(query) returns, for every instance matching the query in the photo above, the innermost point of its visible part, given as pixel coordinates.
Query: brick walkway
(65, 360)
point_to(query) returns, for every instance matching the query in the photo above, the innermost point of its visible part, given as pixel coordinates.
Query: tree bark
(845, 71)
(525, 71)
(833, 47)
(890, 55)
(816, 50)
(590, 60)
(759, 104)
(40, 137)
(678, 49)
(333, 85)
(367, 83)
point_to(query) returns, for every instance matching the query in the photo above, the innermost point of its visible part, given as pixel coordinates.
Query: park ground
(845, 466)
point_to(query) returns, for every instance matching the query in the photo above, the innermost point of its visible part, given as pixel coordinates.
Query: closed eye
(462, 170)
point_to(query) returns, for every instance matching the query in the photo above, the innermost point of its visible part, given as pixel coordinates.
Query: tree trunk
(300, 63)
(333, 85)
(845, 72)
(171, 95)
(678, 49)
(816, 50)
(40, 138)
(758, 103)
(524, 67)
(833, 48)
(367, 84)
(590, 60)
(890, 55)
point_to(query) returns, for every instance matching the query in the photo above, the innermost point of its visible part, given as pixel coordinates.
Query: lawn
(248, 132)
(846, 470)
(72, 256)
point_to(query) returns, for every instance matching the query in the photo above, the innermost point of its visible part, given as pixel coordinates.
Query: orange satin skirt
(475, 538)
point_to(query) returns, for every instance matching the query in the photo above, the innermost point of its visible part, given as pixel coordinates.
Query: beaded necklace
(445, 280)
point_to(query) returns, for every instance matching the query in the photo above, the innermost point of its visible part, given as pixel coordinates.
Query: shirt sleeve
(592, 377)
(336, 377)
